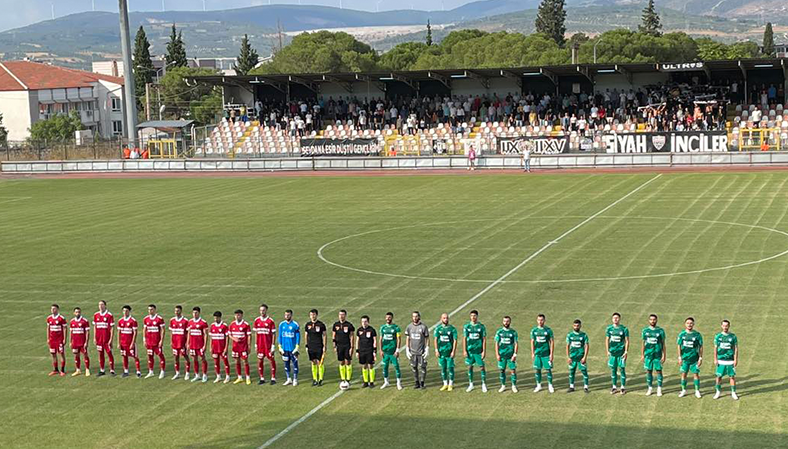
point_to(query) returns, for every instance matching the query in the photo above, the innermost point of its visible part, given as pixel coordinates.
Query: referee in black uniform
(316, 347)
(342, 335)
(366, 342)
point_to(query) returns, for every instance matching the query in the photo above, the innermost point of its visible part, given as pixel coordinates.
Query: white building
(31, 91)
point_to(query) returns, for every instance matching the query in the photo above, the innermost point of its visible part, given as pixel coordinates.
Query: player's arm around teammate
(726, 358)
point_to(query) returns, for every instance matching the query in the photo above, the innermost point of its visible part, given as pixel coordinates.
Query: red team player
(127, 330)
(80, 332)
(56, 339)
(103, 334)
(198, 338)
(265, 328)
(179, 326)
(154, 340)
(219, 336)
(240, 332)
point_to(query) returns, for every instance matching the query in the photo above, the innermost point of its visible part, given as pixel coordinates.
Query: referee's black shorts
(315, 353)
(366, 358)
(343, 353)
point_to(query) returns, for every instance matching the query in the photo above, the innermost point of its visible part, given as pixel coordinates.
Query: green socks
(649, 379)
(538, 375)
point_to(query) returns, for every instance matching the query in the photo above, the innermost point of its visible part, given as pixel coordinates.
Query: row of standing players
(191, 339)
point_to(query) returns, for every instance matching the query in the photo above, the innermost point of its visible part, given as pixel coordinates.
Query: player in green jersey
(726, 357)
(617, 347)
(474, 348)
(445, 347)
(389, 344)
(506, 346)
(576, 355)
(652, 353)
(690, 350)
(542, 347)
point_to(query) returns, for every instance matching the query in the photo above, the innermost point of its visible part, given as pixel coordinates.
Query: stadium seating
(746, 132)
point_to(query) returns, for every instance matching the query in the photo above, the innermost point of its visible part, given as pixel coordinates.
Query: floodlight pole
(128, 82)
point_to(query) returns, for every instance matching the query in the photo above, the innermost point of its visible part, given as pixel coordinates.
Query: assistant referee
(316, 347)
(342, 335)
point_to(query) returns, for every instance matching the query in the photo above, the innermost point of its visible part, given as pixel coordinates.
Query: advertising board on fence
(340, 147)
(667, 142)
(537, 145)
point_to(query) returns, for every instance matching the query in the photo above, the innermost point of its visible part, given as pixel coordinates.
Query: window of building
(116, 105)
(117, 127)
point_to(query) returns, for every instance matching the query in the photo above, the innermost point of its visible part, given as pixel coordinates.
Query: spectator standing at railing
(527, 159)
(126, 153)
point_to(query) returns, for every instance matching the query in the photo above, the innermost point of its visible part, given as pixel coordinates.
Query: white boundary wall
(398, 163)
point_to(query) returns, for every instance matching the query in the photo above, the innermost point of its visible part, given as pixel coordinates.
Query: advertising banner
(668, 142)
(537, 145)
(340, 147)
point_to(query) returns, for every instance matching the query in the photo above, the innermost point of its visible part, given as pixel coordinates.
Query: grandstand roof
(28, 75)
(446, 75)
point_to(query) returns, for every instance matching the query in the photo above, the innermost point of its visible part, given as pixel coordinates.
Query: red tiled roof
(27, 75)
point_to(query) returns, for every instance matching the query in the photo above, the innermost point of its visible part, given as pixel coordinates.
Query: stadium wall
(562, 161)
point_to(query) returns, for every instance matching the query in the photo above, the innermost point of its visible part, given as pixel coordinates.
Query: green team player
(576, 355)
(690, 347)
(506, 346)
(445, 346)
(726, 357)
(542, 347)
(474, 347)
(617, 346)
(652, 353)
(390, 339)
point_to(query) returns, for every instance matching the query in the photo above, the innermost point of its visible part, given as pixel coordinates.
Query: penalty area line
(475, 297)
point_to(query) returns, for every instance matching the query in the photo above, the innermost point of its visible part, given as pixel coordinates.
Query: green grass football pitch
(429, 243)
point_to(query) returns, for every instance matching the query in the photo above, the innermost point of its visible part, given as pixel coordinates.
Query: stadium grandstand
(446, 111)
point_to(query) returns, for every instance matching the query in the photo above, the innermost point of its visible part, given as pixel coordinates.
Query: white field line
(492, 285)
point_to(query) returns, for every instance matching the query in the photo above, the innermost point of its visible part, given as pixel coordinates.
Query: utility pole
(128, 82)
(147, 101)
(279, 30)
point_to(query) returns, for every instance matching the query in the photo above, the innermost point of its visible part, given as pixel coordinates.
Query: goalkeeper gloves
(407, 352)
(295, 351)
(280, 349)
(426, 352)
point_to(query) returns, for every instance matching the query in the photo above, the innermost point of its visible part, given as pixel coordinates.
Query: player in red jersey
(127, 339)
(80, 332)
(240, 332)
(219, 336)
(197, 344)
(56, 338)
(154, 340)
(178, 328)
(103, 335)
(265, 328)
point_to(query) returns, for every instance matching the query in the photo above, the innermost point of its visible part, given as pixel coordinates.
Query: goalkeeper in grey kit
(417, 348)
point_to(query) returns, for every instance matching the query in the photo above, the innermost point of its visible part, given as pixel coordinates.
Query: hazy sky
(17, 14)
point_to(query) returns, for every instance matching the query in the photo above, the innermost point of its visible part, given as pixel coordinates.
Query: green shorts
(542, 363)
(575, 364)
(390, 358)
(616, 362)
(445, 360)
(507, 363)
(687, 367)
(652, 364)
(726, 370)
(474, 359)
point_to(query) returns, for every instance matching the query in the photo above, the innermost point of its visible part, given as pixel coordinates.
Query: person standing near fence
(471, 158)
(527, 159)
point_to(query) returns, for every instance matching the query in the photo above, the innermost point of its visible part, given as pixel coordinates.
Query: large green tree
(551, 20)
(768, 40)
(710, 50)
(428, 40)
(322, 52)
(176, 50)
(59, 128)
(247, 58)
(185, 100)
(143, 66)
(650, 23)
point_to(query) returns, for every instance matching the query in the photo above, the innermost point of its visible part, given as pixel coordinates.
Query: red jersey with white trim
(178, 330)
(265, 328)
(241, 331)
(79, 328)
(126, 328)
(103, 323)
(196, 335)
(218, 333)
(56, 329)
(153, 326)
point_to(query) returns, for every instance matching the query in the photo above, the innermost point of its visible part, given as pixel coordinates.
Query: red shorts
(103, 345)
(80, 349)
(240, 354)
(153, 350)
(56, 347)
(265, 355)
(197, 352)
(179, 352)
(130, 351)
